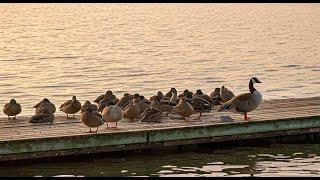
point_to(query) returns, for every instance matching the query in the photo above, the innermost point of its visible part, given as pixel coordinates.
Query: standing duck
(44, 104)
(245, 102)
(92, 118)
(225, 94)
(12, 109)
(88, 104)
(45, 117)
(112, 113)
(71, 106)
(131, 111)
(183, 108)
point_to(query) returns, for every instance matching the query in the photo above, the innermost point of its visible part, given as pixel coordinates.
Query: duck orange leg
(246, 116)
(116, 125)
(107, 125)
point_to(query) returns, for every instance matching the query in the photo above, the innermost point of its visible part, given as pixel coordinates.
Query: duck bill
(257, 81)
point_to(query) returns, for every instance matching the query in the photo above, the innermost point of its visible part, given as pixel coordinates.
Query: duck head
(87, 103)
(74, 98)
(173, 90)
(109, 93)
(12, 101)
(88, 110)
(199, 92)
(45, 100)
(187, 93)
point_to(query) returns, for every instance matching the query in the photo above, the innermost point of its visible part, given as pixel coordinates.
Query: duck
(174, 97)
(92, 119)
(71, 106)
(215, 96)
(104, 103)
(169, 94)
(143, 104)
(109, 96)
(88, 104)
(199, 93)
(183, 108)
(245, 102)
(159, 94)
(131, 111)
(112, 113)
(124, 101)
(152, 114)
(45, 103)
(225, 94)
(198, 103)
(163, 105)
(45, 117)
(12, 109)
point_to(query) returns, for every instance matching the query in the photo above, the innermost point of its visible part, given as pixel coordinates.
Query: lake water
(60, 50)
(271, 160)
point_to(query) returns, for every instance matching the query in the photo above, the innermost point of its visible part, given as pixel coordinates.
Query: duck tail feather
(224, 106)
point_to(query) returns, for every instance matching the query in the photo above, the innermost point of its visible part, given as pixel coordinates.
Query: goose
(71, 106)
(45, 103)
(109, 96)
(12, 108)
(92, 118)
(225, 94)
(131, 111)
(45, 117)
(245, 102)
(152, 114)
(183, 108)
(112, 113)
(88, 104)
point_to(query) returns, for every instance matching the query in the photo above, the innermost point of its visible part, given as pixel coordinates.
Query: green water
(269, 160)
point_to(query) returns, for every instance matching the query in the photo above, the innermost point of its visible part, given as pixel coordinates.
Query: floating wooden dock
(20, 139)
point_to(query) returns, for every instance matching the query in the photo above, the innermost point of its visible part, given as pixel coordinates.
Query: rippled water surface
(274, 160)
(57, 50)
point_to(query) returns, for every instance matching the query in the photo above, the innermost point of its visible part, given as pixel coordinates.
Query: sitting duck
(183, 108)
(131, 111)
(44, 104)
(88, 104)
(44, 117)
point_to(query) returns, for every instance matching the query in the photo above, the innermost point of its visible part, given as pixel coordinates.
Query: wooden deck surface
(11, 130)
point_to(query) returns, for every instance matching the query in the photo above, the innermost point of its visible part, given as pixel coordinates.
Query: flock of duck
(109, 108)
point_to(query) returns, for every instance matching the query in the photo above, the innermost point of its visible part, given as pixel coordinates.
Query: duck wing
(65, 103)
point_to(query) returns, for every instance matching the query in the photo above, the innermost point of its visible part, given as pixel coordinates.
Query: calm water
(274, 160)
(57, 50)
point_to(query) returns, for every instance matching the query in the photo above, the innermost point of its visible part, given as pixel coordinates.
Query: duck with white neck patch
(245, 102)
